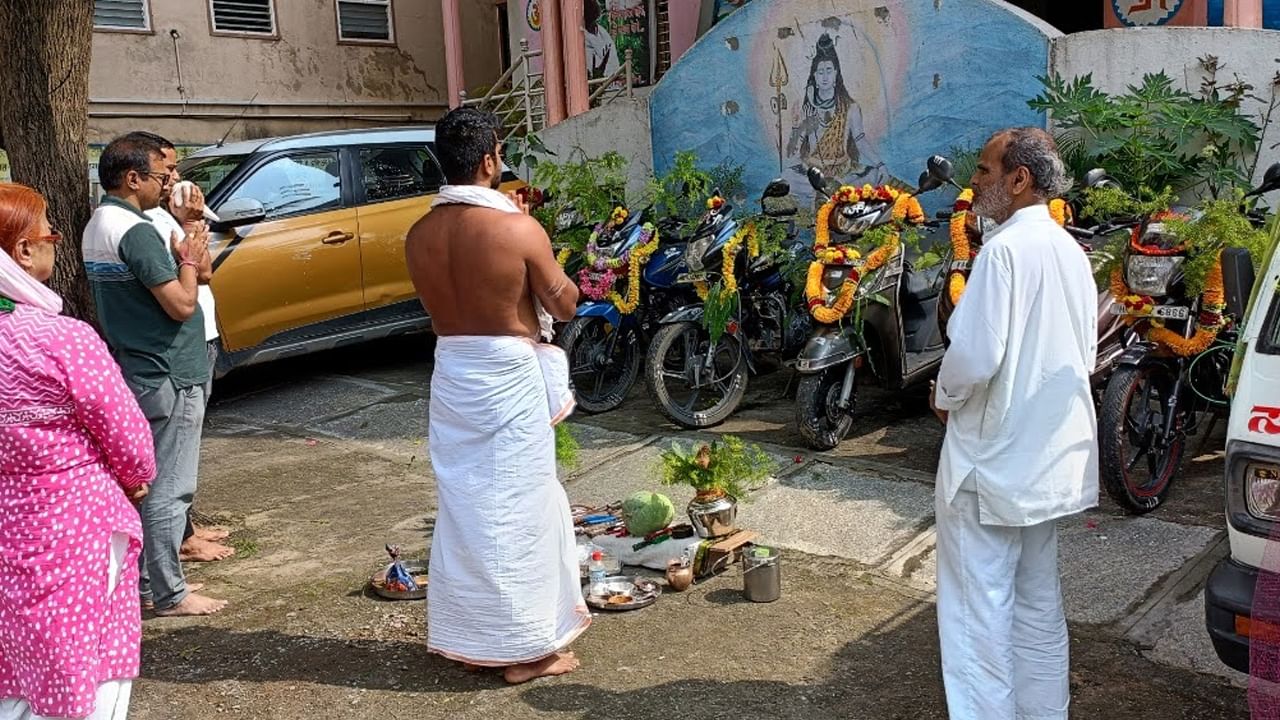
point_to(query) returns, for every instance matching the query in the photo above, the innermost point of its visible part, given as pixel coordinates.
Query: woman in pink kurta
(74, 450)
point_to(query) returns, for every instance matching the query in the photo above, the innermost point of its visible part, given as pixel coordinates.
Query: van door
(397, 185)
(299, 267)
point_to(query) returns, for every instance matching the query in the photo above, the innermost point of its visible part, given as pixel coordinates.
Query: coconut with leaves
(720, 472)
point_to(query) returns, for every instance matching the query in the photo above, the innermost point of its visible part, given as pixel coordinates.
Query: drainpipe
(552, 61)
(1242, 13)
(453, 50)
(575, 57)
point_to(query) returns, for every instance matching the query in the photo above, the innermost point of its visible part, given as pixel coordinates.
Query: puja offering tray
(623, 592)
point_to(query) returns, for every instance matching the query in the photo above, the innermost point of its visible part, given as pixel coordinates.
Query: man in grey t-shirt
(145, 290)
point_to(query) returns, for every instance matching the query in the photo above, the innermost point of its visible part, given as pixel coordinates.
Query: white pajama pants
(1001, 623)
(112, 701)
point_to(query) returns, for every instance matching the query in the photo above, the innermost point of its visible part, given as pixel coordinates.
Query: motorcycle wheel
(1129, 431)
(604, 362)
(821, 422)
(667, 373)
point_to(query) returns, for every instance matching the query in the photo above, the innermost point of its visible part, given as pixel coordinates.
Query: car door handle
(337, 238)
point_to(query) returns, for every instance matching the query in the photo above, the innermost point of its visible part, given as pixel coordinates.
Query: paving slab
(304, 402)
(1184, 643)
(617, 478)
(597, 445)
(832, 511)
(1109, 564)
(398, 426)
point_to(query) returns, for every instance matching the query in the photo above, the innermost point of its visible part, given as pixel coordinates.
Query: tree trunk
(44, 101)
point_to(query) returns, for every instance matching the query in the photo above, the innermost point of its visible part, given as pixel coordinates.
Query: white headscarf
(19, 286)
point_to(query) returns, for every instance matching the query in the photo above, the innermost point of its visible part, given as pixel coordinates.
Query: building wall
(1119, 58)
(301, 81)
(622, 125)
(920, 77)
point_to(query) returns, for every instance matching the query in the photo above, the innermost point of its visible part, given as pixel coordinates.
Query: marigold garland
(729, 254)
(905, 208)
(962, 252)
(639, 257)
(1208, 324)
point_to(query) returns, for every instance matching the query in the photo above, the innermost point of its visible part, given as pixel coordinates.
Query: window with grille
(121, 15)
(365, 20)
(243, 17)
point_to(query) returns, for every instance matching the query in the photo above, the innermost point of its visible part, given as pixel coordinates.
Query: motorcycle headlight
(696, 250)
(853, 219)
(834, 276)
(1262, 490)
(1151, 275)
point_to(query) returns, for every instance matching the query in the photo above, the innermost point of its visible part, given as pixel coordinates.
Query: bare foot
(557, 664)
(193, 604)
(191, 587)
(197, 549)
(212, 533)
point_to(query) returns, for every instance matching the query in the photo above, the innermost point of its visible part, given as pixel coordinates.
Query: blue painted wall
(1270, 13)
(925, 77)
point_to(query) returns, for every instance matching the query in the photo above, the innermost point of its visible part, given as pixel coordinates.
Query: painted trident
(778, 79)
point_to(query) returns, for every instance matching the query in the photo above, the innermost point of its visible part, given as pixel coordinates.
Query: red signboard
(1153, 13)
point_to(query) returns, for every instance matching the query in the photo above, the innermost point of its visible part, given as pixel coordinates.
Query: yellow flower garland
(905, 208)
(563, 256)
(1210, 322)
(961, 252)
(729, 254)
(639, 258)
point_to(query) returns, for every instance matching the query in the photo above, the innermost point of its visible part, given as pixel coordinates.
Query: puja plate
(417, 570)
(639, 592)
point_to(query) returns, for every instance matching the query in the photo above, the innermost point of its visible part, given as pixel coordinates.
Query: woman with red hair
(74, 451)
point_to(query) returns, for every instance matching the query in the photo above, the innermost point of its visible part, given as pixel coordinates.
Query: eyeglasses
(162, 178)
(54, 237)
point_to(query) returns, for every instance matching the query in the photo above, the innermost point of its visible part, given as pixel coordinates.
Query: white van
(1252, 482)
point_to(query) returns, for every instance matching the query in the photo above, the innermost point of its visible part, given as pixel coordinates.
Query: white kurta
(504, 580)
(1015, 378)
(1020, 452)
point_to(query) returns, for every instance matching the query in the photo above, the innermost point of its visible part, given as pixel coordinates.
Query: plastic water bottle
(596, 572)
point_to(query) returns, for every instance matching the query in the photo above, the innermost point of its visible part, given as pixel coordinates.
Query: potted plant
(720, 472)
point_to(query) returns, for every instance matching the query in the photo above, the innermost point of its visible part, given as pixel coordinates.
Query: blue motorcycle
(605, 346)
(698, 377)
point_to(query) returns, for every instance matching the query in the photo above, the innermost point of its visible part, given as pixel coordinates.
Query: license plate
(691, 277)
(1164, 312)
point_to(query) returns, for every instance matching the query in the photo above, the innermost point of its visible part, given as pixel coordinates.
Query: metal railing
(519, 96)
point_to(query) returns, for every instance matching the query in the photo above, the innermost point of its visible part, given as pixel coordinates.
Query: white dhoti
(505, 585)
(1000, 617)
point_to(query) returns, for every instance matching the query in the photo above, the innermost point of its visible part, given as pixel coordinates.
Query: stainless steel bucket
(761, 574)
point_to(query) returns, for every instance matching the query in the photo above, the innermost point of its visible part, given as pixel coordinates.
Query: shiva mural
(865, 90)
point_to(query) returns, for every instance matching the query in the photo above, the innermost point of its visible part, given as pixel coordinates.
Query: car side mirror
(238, 212)
(1237, 281)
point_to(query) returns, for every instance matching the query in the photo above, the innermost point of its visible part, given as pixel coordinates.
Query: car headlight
(1152, 275)
(1262, 490)
(853, 219)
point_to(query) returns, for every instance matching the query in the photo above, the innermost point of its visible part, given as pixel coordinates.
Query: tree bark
(44, 102)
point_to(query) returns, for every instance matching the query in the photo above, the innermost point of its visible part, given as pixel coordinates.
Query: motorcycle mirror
(777, 188)
(940, 169)
(1097, 178)
(927, 182)
(1270, 181)
(817, 180)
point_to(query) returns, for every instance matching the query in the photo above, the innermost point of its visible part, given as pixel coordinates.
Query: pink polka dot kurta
(71, 436)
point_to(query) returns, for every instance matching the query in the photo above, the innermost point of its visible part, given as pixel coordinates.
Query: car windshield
(209, 172)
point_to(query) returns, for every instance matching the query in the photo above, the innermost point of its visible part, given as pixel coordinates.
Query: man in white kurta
(1020, 448)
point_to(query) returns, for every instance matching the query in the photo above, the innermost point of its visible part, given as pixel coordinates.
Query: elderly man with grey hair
(1020, 449)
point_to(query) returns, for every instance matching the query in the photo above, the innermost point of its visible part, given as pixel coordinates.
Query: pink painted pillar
(453, 50)
(552, 61)
(575, 57)
(1242, 13)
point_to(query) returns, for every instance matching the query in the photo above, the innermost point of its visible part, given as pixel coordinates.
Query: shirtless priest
(505, 589)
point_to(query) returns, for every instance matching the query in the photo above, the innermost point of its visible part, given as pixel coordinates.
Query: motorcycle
(604, 344)
(698, 366)
(1177, 372)
(884, 316)
(1113, 335)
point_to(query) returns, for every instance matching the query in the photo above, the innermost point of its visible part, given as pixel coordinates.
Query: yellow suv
(309, 250)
